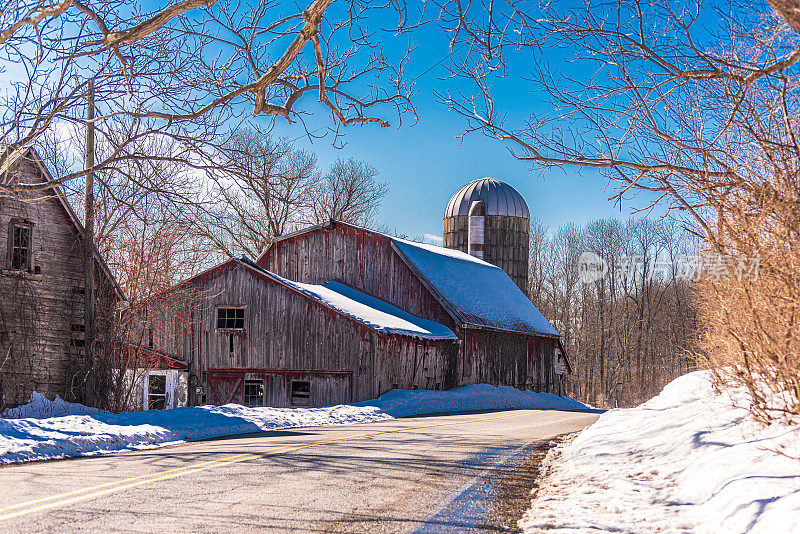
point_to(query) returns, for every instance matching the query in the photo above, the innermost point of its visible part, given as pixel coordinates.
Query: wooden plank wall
(506, 358)
(360, 259)
(288, 331)
(38, 311)
(506, 243)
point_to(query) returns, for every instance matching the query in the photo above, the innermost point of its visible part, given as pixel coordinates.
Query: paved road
(394, 476)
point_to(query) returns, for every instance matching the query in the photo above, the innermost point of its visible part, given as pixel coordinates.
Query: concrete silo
(490, 220)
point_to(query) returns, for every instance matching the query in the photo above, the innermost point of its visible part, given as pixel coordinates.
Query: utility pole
(88, 249)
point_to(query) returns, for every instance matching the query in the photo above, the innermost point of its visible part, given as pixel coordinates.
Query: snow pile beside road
(83, 435)
(408, 403)
(686, 461)
(90, 432)
(39, 407)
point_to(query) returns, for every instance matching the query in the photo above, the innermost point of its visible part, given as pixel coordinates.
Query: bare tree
(262, 187)
(703, 117)
(184, 69)
(348, 192)
(631, 331)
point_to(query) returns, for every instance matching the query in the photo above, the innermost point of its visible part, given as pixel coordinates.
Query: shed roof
(482, 294)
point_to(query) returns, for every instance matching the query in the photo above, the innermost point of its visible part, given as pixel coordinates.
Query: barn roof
(482, 294)
(11, 157)
(370, 311)
(475, 292)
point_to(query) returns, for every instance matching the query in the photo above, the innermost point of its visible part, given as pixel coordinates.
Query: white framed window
(254, 393)
(156, 392)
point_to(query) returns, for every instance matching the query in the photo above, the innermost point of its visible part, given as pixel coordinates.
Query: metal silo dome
(498, 198)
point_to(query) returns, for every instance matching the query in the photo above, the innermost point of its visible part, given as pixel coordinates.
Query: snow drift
(688, 460)
(39, 436)
(408, 403)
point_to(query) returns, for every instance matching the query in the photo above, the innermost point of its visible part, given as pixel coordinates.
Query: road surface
(415, 474)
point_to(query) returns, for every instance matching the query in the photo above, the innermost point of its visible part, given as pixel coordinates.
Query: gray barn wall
(360, 259)
(506, 358)
(38, 345)
(292, 337)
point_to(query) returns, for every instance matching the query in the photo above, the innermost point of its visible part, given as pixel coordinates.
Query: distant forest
(629, 329)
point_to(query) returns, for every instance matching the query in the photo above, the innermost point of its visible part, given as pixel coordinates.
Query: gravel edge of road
(522, 483)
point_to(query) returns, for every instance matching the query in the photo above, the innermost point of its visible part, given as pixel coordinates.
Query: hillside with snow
(689, 460)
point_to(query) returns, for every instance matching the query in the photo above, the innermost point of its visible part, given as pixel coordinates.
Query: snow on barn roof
(375, 313)
(481, 293)
(475, 292)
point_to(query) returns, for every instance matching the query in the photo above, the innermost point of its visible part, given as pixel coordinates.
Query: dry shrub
(751, 328)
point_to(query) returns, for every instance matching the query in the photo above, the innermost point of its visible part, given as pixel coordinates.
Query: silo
(490, 220)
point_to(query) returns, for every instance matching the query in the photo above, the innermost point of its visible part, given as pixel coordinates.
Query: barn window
(230, 318)
(301, 393)
(20, 245)
(254, 393)
(156, 392)
(77, 335)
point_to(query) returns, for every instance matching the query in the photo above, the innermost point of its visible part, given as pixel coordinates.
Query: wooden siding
(41, 310)
(288, 336)
(360, 259)
(506, 358)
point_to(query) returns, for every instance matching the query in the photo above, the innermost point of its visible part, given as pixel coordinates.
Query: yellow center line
(92, 492)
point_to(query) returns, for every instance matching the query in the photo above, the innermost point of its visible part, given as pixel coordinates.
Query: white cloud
(434, 239)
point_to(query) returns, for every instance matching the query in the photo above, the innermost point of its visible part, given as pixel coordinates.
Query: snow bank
(686, 461)
(39, 407)
(85, 434)
(408, 403)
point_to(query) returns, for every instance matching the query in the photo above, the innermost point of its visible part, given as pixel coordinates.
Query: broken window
(77, 338)
(156, 392)
(20, 245)
(254, 393)
(230, 318)
(301, 393)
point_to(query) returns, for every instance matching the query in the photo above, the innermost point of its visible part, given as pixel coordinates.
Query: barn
(338, 313)
(41, 287)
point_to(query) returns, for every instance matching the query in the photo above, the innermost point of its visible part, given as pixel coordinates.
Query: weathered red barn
(337, 313)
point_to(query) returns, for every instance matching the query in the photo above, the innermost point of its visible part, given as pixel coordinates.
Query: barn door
(225, 387)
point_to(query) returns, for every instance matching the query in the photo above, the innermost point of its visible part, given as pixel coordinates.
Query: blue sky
(425, 163)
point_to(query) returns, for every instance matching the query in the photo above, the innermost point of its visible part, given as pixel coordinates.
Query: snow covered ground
(48, 430)
(686, 461)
